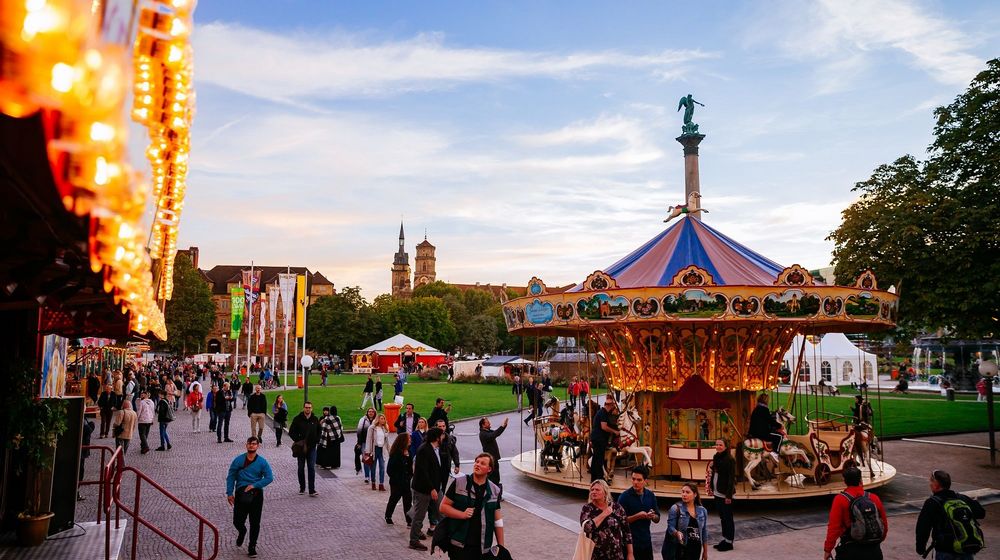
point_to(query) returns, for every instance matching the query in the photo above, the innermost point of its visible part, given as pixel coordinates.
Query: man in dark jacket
(223, 402)
(305, 427)
(425, 483)
(488, 439)
(763, 426)
(407, 422)
(533, 394)
(440, 412)
(257, 411)
(933, 521)
(449, 453)
(722, 484)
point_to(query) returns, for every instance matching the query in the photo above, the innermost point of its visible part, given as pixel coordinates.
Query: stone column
(692, 182)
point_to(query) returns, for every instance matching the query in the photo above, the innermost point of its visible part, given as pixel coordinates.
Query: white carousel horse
(693, 206)
(755, 451)
(628, 425)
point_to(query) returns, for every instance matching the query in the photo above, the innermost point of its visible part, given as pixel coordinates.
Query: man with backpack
(858, 520)
(949, 519)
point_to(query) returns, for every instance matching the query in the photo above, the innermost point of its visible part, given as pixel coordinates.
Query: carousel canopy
(696, 393)
(401, 343)
(691, 242)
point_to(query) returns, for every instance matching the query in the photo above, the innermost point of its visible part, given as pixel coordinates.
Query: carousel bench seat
(691, 457)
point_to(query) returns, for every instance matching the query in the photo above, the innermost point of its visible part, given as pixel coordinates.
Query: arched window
(848, 369)
(806, 374)
(868, 370)
(826, 371)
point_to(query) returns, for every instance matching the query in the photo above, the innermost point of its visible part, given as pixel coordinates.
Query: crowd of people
(462, 513)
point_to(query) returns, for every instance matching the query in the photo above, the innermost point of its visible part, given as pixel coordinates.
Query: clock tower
(425, 263)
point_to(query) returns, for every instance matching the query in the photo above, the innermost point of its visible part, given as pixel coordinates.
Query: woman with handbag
(400, 469)
(687, 527)
(364, 423)
(123, 426)
(603, 521)
(279, 413)
(375, 442)
(195, 402)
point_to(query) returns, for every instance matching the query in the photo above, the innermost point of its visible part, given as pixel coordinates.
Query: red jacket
(840, 516)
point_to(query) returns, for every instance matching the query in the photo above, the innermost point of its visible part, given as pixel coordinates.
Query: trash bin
(392, 414)
(298, 380)
(951, 394)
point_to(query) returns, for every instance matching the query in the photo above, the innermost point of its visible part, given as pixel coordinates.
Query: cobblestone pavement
(541, 521)
(346, 518)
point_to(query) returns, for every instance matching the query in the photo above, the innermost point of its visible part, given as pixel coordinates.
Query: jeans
(939, 555)
(164, 438)
(279, 427)
(308, 463)
(222, 419)
(119, 442)
(144, 437)
(211, 420)
(421, 504)
(726, 518)
(240, 514)
(105, 422)
(380, 461)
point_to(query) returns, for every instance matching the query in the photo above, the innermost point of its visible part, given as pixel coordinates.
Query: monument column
(692, 182)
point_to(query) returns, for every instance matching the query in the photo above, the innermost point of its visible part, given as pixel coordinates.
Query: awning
(696, 393)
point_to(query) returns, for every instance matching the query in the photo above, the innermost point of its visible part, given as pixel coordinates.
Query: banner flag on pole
(251, 286)
(272, 307)
(300, 306)
(286, 284)
(260, 325)
(236, 311)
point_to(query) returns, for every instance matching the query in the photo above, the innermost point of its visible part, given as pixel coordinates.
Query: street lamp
(307, 362)
(988, 369)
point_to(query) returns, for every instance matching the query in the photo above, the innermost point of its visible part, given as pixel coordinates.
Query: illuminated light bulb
(101, 171)
(120, 253)
(178, 27)
(63, 76)
(101, 132)
(175, 54)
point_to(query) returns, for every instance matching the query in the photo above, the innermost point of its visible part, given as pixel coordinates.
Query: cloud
(294, 69)
(845, 34)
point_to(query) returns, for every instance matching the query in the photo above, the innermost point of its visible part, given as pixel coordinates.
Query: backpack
(866, 523)
(968, 536)
(168, 411)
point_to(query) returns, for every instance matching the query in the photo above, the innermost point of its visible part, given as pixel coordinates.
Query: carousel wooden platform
(793, 487)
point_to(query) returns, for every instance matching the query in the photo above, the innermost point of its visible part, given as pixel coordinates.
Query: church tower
(401, 270)
(424, 263)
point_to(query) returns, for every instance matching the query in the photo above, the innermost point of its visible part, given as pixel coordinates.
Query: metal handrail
(110, 480)
(202, 521)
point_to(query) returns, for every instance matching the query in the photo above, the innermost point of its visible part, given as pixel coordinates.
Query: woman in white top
(376, 441)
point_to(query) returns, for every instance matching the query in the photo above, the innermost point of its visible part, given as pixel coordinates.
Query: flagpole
(295, 360)
(250, 323)
(305, 323)
(274, 334)
(236, 360)
(288, 270)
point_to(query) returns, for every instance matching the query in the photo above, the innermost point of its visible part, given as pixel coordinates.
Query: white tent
(831, 357)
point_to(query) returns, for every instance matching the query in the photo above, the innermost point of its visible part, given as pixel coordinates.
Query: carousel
(692, 327)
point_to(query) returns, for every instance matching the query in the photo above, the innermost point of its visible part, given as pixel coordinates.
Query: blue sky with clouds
(538, 138)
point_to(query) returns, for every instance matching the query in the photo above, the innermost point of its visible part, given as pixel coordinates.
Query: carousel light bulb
(179, 27)
(101, 132)
(100, 171)
(175, 54)
(63, 76)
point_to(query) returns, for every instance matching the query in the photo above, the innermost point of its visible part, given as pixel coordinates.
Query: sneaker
(160, 448)
(170, 446)
(366, 481)
(227, 440)
(239, 538)
(313, 494)
(417, 545)
(723, 546)
(388, 521)
(302, 490)
(430, 530)
(252, 552)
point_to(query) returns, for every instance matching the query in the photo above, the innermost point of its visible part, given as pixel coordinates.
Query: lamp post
(988, 369)
(307, 362)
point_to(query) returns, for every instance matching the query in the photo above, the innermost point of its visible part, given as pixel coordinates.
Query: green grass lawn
(469, 400)
(349, 379)
(909, 416)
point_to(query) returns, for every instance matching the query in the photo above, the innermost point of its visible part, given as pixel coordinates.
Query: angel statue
(688, 102)
(693, 206)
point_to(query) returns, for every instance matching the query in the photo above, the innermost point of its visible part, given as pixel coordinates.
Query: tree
(436, 289)
(930, 228)
(480, 335)
(190, 313)
(342, 322)
(425, 319)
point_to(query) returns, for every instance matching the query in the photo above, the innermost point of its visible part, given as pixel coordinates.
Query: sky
(538, 138)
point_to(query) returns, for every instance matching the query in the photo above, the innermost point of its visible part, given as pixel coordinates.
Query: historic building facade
(401, 286)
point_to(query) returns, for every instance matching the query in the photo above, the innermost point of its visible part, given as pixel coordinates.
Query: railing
(110, 481)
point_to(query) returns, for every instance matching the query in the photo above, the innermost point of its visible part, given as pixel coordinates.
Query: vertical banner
(286, 285)
(251, 287)
(236, 304)
(300, 306)
(272, 307)
(260, 326)
(54, 350)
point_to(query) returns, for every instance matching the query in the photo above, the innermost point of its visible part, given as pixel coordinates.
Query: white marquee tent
(833, 358)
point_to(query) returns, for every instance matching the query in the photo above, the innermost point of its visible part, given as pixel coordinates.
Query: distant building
(222, 277)
(401, 286)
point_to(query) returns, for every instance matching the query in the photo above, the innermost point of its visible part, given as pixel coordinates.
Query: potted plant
(31, 427)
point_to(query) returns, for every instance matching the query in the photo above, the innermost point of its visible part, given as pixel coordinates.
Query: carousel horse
(757, 450)
(863, 444)
(692, 207)
(628, 424)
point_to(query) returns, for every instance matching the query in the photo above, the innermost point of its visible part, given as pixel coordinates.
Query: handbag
(299, 449)
(118, 430)
(584, 546)
(368, 458)
(244, 498)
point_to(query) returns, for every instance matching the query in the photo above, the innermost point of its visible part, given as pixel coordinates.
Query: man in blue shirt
(641, 509)
(248, 475)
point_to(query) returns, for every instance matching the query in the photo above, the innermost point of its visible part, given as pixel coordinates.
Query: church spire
(400, 230)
